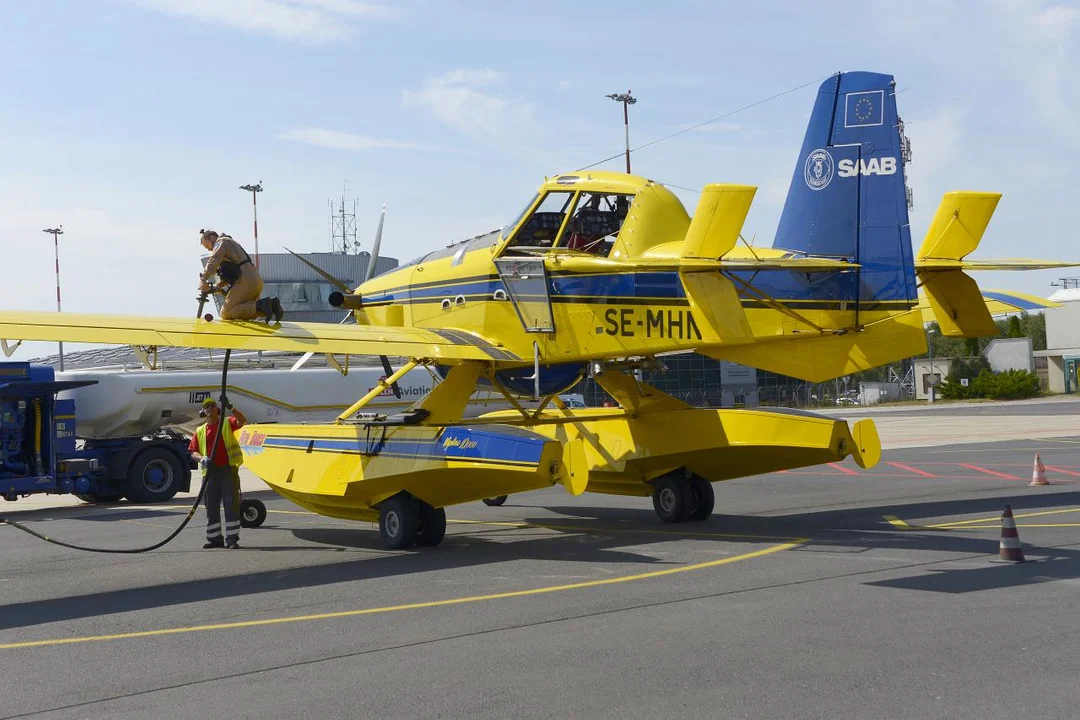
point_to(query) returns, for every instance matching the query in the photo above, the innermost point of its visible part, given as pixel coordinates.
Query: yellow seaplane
(601, 274)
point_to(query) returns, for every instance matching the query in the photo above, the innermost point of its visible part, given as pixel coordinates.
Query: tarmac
(813, 593)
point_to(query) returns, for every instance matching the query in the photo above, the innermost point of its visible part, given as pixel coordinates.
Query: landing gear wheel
(672, 498)
(398, 521)
(252, 513)
(495, 501)
(432, 527)
(704, 499)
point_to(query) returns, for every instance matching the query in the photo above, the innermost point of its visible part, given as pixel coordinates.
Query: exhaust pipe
(349, 302)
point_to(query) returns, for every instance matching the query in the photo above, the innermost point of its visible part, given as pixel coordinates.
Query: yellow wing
(447, 345)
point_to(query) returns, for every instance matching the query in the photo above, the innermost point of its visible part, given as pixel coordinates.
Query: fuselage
(513, 289)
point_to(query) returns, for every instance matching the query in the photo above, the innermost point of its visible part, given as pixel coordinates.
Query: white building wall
(1063, 326)
(1010, 354)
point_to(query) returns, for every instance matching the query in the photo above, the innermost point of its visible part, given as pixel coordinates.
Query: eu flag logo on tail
(864, 109)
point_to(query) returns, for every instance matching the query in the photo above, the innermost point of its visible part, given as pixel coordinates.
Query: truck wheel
(100, 498)
(495, 501)
(252, 513)
(154, 476)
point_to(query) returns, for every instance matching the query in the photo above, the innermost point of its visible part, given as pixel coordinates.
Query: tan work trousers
(240, 300)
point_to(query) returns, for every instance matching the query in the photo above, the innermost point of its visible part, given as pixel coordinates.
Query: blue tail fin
(848, 197)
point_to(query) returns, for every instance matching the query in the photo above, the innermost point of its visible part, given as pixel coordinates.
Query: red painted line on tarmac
(995, 473)
(1058, 468)
(841, 468)
(915, 470)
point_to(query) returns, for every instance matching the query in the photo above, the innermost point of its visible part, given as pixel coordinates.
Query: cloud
(464, 100)
(336, 140)
(316, 21)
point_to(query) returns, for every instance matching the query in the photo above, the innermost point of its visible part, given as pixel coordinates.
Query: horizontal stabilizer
(1002, 264)
(958, 225)
(801, 264)
(958, 305)
(719, 217)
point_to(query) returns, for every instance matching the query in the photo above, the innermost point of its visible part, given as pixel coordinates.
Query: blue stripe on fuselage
(777, 284)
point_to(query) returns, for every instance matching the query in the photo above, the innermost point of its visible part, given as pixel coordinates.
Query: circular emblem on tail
(818, 170)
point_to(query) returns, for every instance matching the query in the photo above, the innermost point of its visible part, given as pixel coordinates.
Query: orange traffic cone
(1010, 541)
(1038, 473)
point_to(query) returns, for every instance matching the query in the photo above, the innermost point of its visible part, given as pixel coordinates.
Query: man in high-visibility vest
(222, 473)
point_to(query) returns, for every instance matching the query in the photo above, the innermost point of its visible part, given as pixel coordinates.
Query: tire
(100, 498)
(672, 498)
(252, 513)
(398, 521)
(704, 499)
(154, 476)
(432, 526)
(495, 501)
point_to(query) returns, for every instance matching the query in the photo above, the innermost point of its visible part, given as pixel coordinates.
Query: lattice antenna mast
(343, 224)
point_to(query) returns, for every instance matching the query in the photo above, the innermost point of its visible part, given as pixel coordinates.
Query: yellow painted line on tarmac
(997, 518)
(958, 524)
(411, 606)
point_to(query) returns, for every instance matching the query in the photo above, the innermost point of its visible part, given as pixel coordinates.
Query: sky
(133, 122)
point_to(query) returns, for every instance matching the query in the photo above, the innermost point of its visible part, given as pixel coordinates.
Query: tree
(1015, 330)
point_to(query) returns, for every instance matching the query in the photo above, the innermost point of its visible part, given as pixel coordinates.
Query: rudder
(848, 196)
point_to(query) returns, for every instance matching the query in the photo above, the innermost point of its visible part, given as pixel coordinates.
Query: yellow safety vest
(236, 455)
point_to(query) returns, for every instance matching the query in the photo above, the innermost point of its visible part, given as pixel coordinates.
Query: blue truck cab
(40, 451)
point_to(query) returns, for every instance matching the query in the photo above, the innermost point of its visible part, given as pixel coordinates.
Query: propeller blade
(307, 356)
(375, 249)
(300, 363)
(325, 275)
(389, 370)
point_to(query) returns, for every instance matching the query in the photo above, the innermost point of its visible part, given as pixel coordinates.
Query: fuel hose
(191, 513)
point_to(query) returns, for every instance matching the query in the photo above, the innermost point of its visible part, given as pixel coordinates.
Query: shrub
(1008, 385)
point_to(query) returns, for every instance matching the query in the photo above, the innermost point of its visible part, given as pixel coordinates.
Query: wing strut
(383, 385)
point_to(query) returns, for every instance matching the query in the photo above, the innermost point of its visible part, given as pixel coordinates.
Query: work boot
(233, 544)
(264, 307)
(275, 306)
(215, 543)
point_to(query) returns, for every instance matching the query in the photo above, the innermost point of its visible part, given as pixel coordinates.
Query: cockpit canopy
(572, 213)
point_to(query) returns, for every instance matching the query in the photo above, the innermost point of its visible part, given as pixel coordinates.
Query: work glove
(204, 462)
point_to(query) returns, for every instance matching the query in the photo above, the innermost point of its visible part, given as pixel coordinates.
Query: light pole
(255, 190)
(930, 346)
(626, 99)
(56, 232)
